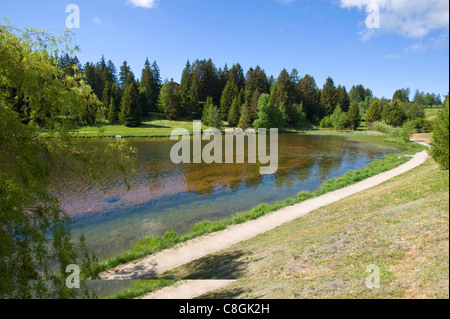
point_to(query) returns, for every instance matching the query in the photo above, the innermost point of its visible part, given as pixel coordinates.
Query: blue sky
(322, 38)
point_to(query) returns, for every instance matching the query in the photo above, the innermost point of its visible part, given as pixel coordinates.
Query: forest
(230, 95)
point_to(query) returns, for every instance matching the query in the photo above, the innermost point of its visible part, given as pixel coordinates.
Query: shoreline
(286, 204)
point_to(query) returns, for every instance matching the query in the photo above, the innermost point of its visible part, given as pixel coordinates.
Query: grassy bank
(153, 126)
(151, 245)
(400, 226)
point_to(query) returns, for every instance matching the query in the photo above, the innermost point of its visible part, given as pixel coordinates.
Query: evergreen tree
(234, 114)
(354, 115)
(184, 90)
(195, 107)
(236, 75)
(374, 112)
(229, 93)
(328, 96)
(169, 101)
(211, 115)
(123, 74)
(283, 91)
(209, 104)
(130, 113)
(145, 89)
(214, 118)
(113, 111)
(342, 98)
(402, 95)
(396, 116)
(309, 96)
(246, 119)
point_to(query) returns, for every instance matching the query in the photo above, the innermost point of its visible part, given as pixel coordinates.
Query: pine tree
(209, 104)
(235, 111)
(309, 96)
(155, 87)
(123, 74)
(246, 119)
(396, 116)
(354, 115)
(169, 101)
(282, 94)
(184, 90)
(214, 118)
(229, 93)
(374, 112)
(145, 89)
(328, 96)
(130, 112)
(113, 111)
(195, 106)
(342, 98)
(211, 115)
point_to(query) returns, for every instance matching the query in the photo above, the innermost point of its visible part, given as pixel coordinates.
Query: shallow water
(165, 196)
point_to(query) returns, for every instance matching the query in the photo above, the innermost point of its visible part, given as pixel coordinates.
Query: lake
(165, 196)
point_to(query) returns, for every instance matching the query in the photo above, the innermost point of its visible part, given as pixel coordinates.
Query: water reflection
(166, 196)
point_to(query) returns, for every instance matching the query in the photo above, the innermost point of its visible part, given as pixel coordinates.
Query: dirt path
(200, 247)
(189, 289)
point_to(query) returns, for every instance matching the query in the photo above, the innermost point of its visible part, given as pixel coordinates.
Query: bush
(408, 129)
(440, 150)
(384, 128)
(326, 122)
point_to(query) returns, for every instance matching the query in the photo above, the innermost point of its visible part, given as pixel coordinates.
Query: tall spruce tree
(125, 70)
(184, 91)
(234, 114)
(170, 101)
(328, 97)
(309, 96)
(354, 115)
(374, 114)
(229, 93)
(130, 113)
(145, 89)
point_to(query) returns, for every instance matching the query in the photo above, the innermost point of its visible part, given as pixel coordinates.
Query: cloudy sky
(322, 38)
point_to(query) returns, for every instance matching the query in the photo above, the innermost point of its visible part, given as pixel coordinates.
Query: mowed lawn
(153, 126)
(400, 226)
(432, 113)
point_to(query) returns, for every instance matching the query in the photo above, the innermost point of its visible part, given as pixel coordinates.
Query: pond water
(166, 196)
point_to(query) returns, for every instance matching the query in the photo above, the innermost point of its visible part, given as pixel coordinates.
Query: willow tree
(32, 148)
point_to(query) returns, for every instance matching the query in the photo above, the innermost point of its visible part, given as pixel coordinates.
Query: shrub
(326, 122)
(440, 150)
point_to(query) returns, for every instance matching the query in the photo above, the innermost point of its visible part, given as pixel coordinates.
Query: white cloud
(393, 56)
(409, 18)
(148, 4)
(97, 21)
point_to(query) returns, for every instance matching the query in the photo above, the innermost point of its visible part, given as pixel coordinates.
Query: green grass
(151, 245)
(432, 113)
(401, 226)
(153, 126)
(141, 288)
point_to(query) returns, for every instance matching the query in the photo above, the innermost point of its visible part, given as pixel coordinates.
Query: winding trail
(197, 248)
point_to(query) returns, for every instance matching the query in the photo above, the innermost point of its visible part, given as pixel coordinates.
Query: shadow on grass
(226, 293)
(229, 265)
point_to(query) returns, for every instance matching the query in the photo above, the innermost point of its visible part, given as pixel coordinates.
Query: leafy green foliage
(440, 150)
(268, 115)
(339, 119)
(35, 233)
